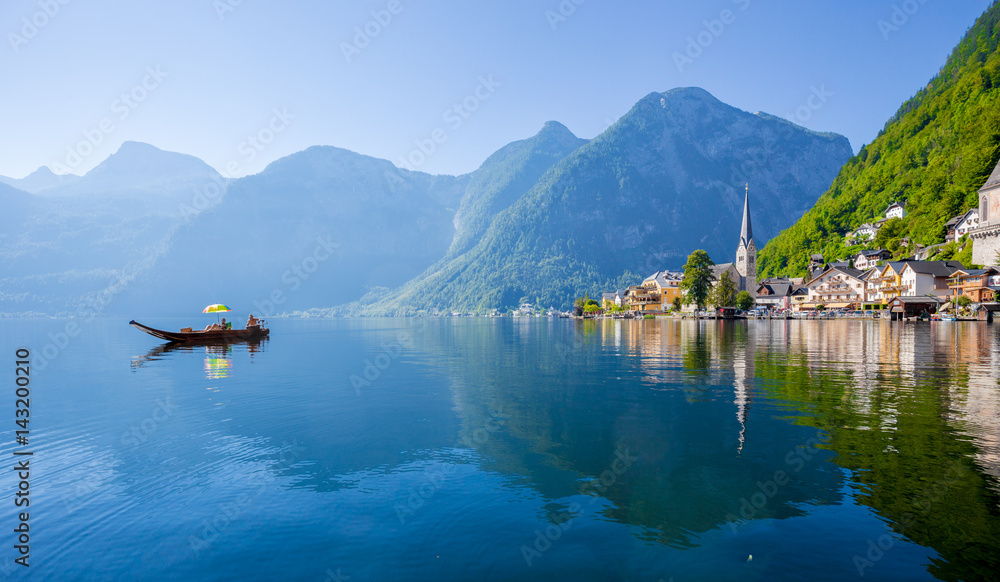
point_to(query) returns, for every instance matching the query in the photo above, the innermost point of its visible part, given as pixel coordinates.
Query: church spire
(746, 233)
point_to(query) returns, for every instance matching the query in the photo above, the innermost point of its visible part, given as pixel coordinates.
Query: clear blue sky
(228, 70)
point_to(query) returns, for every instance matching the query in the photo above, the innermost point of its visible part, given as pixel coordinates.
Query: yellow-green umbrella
(216, 308)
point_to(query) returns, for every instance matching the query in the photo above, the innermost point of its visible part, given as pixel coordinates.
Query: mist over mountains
(149, 232)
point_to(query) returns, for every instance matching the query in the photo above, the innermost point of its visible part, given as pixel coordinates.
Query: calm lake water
(534, 449)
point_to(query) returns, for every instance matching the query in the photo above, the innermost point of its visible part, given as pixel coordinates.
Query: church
(744, 270)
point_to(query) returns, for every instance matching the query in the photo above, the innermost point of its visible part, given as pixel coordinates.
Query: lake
(509, 449)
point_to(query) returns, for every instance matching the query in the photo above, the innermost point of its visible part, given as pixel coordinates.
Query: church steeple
(746, 233)
(746, 252)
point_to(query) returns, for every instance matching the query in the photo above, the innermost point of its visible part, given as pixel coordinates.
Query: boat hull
(202, 336)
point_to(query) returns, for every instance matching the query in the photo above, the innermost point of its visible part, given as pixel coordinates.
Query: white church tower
(746, 253)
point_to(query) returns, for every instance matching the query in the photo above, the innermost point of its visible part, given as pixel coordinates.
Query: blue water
(488, 449)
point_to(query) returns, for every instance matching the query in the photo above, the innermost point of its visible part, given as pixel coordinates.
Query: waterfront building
(979, 285)
(836, 288)
(986, 235)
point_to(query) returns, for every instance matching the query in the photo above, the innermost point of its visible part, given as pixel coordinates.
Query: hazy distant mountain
(318, 227)
(105, 230)
(40, 180)
(666, 179)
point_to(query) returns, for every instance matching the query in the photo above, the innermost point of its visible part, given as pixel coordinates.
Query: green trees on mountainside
(935, 153)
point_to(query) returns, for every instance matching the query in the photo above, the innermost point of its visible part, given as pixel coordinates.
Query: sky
(436, 86)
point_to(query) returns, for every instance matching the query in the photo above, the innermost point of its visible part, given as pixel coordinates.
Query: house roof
(936, 268)
(856, 273)
(816, 257)
(609, 296)
(871, 253)
(993, 180)
(897, 204)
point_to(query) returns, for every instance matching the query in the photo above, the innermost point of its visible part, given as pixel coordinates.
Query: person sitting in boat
(217, 326)
(252, 321)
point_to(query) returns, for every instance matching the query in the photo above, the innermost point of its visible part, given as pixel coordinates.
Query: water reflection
(217, 363)
(909, 414)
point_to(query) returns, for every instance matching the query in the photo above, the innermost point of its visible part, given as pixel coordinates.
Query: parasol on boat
(216, 308)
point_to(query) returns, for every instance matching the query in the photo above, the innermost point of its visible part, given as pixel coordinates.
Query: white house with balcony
(896, 210)
(868, 259)
(923, 278)
(836, 288)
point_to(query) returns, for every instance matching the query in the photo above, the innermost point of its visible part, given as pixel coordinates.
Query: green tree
(744, 300)
(678, 303)
(963, 301)
(591, 308)
(698, 278)
(724, 293)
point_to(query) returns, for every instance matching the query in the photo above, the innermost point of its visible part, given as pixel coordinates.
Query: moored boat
(253, 332)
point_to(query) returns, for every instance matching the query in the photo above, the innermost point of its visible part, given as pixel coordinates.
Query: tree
(963, 301)
(744, 300)
(724, 293)
(678, 303)
(592, 308)
(698, 278)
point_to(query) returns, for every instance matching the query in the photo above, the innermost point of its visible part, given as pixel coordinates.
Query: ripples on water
(452, 449)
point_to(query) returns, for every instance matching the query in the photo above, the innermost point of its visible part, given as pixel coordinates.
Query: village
(865, 283)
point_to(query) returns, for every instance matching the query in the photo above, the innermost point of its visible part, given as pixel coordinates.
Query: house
(975, 284)
(961, 224)
(800, 296)
(734, 274)
(872, 298)
(885, 283)
(836, 288)
(667, 284)
(864, 260)
(640, 298)
(865, 232)
(815, 261)
(775, 294)
(927, 278)
(896, 210)
(607, 299)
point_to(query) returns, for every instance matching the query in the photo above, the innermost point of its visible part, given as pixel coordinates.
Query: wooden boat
(254, 332)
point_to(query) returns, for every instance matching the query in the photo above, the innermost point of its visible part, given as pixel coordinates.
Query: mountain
(106, 230)
(318, 227)
(666, 179)
(504, 177)
(40, 180)
(935, 153)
